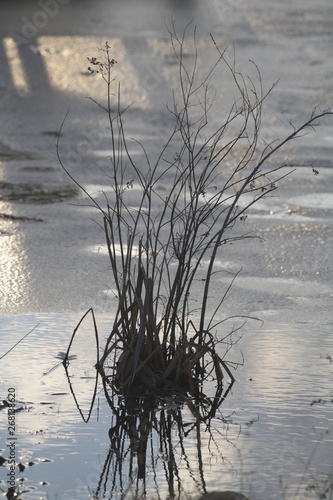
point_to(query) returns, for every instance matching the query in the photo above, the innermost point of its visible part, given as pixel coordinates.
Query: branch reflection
(156, 445)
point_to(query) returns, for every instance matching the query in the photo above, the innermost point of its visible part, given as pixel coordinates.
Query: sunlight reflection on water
(274, 417)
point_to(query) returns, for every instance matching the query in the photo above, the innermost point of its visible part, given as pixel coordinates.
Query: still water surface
(278, 414)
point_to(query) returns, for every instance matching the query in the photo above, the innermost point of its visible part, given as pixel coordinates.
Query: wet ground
(46, 75)
(52, 261)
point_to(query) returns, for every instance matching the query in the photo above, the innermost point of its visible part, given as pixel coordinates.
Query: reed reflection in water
(162, 446)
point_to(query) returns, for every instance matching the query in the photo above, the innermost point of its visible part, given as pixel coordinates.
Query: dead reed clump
(165, 334)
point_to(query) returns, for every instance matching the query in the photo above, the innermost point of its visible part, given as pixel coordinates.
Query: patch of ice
(103, 250)
(314, 200)
(290, 287)
(283, 215)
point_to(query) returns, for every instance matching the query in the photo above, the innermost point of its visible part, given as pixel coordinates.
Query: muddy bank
(8, 154)
(36, 193)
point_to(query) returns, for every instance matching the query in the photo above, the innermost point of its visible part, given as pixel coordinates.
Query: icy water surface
(270, 439)
(279, 414)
